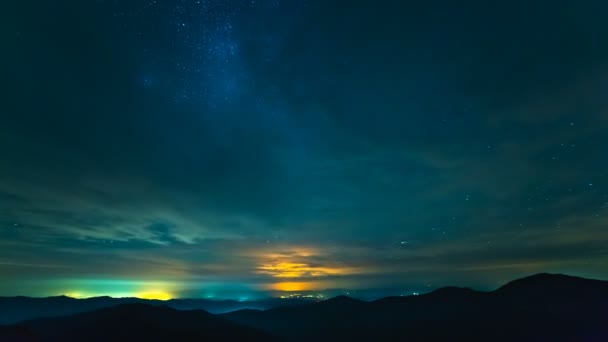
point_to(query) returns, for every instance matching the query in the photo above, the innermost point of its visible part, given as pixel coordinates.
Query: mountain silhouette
(559, 285)
(17, 309)
(132, 322)
(543, 307)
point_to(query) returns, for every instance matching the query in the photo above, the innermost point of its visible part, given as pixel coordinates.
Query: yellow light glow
(292, 286)
(159, 295)
(298, 270)
(76, 295)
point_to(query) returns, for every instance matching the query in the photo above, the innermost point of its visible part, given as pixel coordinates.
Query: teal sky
(225, 148)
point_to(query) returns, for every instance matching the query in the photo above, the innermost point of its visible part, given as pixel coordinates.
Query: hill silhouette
(133, 322)
(17, 309)
(543, 307)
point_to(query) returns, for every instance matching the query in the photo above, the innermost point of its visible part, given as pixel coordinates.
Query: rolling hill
(133, 322)
(543, 307)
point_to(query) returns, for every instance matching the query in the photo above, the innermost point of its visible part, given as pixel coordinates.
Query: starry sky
(234, 149)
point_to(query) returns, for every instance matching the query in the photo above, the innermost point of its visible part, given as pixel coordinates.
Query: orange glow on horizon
(301, 269)
(293, 286)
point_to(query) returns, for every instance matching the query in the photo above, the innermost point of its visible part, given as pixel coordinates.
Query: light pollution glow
(294, 268)
(297, 262)
(294, 286)
(298, 270)
(157, 295)
(87, 288)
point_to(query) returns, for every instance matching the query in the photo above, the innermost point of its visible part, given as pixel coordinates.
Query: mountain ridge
(453, 313)
(134, 321)
(538, 307)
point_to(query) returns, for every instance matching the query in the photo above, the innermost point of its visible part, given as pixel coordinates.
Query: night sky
(234, 149)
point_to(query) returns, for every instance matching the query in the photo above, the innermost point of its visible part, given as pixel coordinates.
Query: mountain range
(133, 322)
(543, 307)
(17, 309)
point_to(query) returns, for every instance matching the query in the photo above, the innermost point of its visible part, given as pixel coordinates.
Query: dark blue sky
(228, 148)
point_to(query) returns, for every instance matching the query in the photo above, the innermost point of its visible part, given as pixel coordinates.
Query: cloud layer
(230, 146)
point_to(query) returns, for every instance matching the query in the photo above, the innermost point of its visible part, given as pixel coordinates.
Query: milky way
(246, 148)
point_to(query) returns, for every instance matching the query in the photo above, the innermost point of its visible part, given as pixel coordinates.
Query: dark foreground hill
(543, 307)
(17, 309)
(133, 322)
